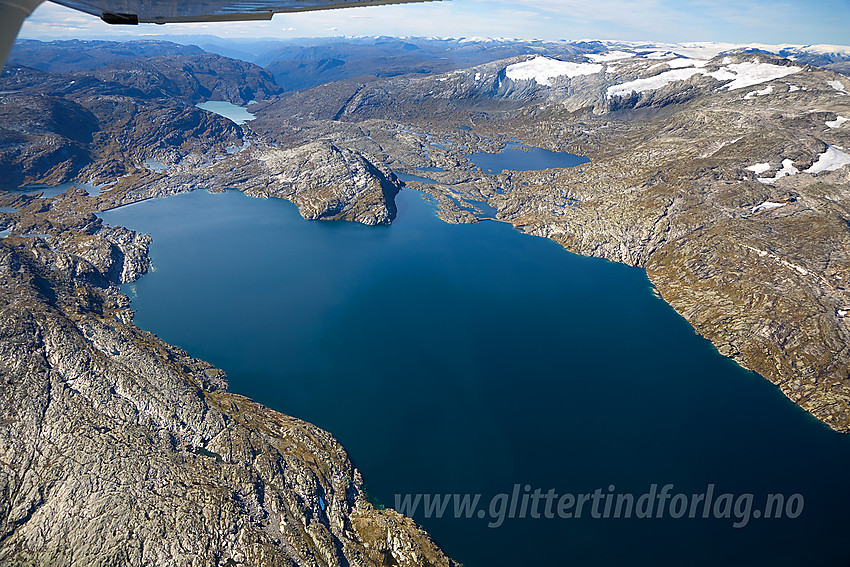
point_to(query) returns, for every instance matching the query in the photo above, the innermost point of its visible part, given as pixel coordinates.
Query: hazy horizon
(793, 22)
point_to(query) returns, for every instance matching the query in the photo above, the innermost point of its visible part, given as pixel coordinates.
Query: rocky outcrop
(327, 182)
(45, 139)
(118, 448)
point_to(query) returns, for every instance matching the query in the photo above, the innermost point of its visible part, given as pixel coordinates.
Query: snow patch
(837, 86)
(792, 88)
(787, 169)
(752, 94)
(681, 62)
(765, 254)
(767, 205)
(609, 56)
(759, 168)
(830, 160)
(542, 69)
(837, 122)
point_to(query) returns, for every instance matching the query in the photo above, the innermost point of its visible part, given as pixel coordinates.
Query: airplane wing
(13, 12)
(166, 11)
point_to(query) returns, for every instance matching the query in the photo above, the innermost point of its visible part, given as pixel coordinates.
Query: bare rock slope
(119, 449)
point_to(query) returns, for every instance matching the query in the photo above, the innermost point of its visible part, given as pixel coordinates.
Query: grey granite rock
(118, 449)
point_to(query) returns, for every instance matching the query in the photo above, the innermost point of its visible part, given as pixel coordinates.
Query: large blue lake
(472, 358)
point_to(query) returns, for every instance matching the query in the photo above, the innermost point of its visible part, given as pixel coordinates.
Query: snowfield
(651, 83)
(543, 69)
(681, 62)
(752, 73)
(739, 75)
(837, 122)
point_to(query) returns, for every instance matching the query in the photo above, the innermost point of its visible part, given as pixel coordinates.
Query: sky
(733, 21)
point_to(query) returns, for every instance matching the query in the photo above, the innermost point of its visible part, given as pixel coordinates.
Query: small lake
(457, 359)
(238, 114)
(518, 157)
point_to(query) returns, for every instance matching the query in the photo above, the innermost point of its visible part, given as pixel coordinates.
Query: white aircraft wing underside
(166, 11)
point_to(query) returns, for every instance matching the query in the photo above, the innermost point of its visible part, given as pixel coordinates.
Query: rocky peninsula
(118, 448)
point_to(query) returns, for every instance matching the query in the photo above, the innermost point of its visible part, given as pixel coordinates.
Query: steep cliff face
(59, 130)
(95, 111)
(118, 448)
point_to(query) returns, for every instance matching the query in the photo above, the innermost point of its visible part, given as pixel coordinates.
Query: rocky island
(725, 177)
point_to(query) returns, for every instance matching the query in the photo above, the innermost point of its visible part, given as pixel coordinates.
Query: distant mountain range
(307, 62)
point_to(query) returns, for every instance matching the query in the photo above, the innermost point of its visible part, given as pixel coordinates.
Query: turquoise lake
(472, 358)
(238, 114)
